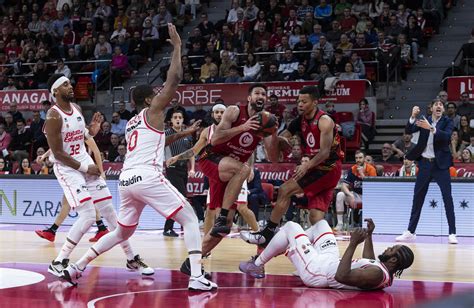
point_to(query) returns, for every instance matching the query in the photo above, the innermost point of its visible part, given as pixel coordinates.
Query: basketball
(268, 122)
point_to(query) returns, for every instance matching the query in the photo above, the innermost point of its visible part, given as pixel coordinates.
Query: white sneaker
(56, 267)
(72, 274)
(137, 264)
(406, 236)
(201, 284)
(452, 239)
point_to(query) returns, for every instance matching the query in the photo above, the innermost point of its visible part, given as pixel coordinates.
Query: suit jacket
(441, 141)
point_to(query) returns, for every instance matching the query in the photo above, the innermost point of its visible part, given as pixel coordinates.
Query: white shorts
(241, 198)
(79, 187)
(140, 187)
(314, 262)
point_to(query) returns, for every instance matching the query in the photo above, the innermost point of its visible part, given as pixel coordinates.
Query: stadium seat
(81, 90)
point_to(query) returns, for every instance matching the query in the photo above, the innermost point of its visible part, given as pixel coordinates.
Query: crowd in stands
(292, 40)
(38, 38)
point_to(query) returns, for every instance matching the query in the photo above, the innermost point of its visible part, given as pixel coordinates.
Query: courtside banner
(38, 201)
(25, 99)
(388, 201)
(282, 172)
(346, 91)
(459, 85)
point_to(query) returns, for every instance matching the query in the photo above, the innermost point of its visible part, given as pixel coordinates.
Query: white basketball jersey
(72, 133)
(145, 144)
(359, 263)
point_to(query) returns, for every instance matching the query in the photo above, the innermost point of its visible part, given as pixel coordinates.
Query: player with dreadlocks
(315, 255)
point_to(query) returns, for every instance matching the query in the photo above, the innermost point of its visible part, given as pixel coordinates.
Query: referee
(177, 141)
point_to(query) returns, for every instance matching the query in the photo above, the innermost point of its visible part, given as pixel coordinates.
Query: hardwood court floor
(439, 270)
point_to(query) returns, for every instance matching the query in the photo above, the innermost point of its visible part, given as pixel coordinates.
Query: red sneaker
(98, 235)
(47, 234)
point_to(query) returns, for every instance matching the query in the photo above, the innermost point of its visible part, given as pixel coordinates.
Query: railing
(152, 69)
(54, 63)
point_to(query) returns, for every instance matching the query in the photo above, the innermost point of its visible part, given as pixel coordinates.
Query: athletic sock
(340, 219)
(54, 228)
(100, 225)
(66, 250)
(224, 213)
(195, 264)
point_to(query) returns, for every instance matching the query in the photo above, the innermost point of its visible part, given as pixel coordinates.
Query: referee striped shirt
(177, 147)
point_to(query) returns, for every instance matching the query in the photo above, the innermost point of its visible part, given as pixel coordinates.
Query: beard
(258, 105)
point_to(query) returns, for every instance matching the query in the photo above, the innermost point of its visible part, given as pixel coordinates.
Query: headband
(219, 107)
(58, 83)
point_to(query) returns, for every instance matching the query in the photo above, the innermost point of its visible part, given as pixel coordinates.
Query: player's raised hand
(174, 39)
(94, 126)
(370, 225)
(358, 236)
(251, 124)
(194, 127)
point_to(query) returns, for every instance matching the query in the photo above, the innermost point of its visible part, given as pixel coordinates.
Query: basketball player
(228, 160)
(315, 255)
(318, 178)
(142, 181)
(49, 234)
(77, 174)
(217, 112)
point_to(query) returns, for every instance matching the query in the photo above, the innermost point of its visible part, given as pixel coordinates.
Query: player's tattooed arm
(200, 144)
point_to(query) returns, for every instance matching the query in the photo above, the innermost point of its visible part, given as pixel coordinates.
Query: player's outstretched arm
(368, 252)
(175, 73)
(188, 131)
(198, 146)
(366, 278)
(224, 131)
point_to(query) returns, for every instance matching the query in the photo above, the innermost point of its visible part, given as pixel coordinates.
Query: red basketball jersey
(311, 136)
(241, 146)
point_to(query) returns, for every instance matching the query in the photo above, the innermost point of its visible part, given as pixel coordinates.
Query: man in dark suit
(434, 159)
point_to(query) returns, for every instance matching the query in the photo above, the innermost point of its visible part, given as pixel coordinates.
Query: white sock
(340, 219)
(195, 261)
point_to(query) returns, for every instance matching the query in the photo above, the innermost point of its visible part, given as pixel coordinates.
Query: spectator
(25, 167)
(371, 36)
(251, 68)
(9, 124)
(347, 22)
(103, 13)
(361, 47)
(206, 27)
(21, 141)
(351, 189)
(250, 10)
(387, 154)
(123, 112)
(121, 18)
(465, 107)
(471, 145)
(335, 33)
(403, 145)
(265, 48)
(137, 51)
(69, 40)
(276, 38)
(103, 137)
(161, 21)
(455, 145)
(308, 23)
(4, 167)
(175, 106)
(122, 151)
(280, 49)
(276, 107)
(13, 110)
(39, 153)
(358, 65)
(323, 13)
(118, 66)
(5, 140)
(226, 64)
(360, 7)
(394, 29)
(62, 68)
(345, 45)
(304, 9)
(300, 74)
(188, 78)
(288, 65)
(451, 113)
(257, 197)
(36, 127)
(232, 16)
(214, 76)
(304, 47)
(206, 67)
(465, 130)
(11, 85)
(112, 151)
(58, 25)
(120, 30)
(41, 74)
(323, 73)
(405, 56)
(314, 63)
(349, 73)
(366, 119)
(150, 37)
(118, 125)
(338, 63)
(200, 113)
(408, 169)
(273, 74)
(241, 24)
(414, 37)
(314, 37)
(234, 76)
(102, 43)
(375, 8)
(326, 47)
(259, 35)
(434, 9)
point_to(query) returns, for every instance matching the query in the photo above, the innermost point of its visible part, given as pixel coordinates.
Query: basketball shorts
(241, 199)
(318, 186)
(140, 187)
(314, 261)
(79, 187)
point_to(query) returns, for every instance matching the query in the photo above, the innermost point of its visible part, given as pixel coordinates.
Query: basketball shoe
(186, 269)
(56, 267)
(257, 238)
(406, 236)
(47, 234)
(71, 274)
(220, 228)
(250, 268)
(137, 264)
(98, 235)
(201, 284)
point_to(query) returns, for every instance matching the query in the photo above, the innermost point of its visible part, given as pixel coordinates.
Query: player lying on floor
(315, 254)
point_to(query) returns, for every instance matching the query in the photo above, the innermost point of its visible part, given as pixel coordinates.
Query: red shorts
(318, 186)
(210, 168)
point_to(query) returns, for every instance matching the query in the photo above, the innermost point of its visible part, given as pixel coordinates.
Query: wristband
(83, 167)
(87, 134)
